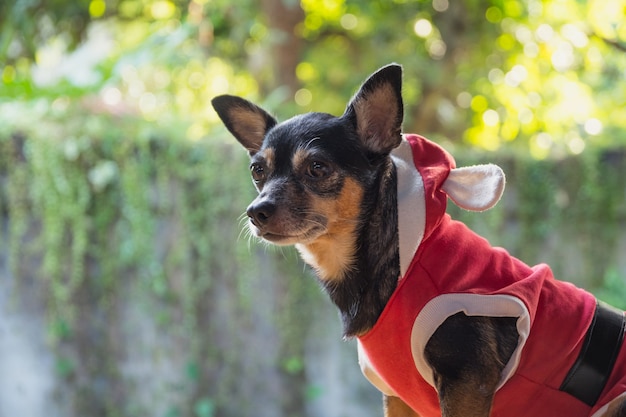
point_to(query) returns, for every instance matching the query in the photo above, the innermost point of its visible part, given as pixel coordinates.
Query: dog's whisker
(249, 239)
(245, 234)
(243, 217)
(283, 253)
(309, 143)
(244, 228)
(339, 219)
(244, 231)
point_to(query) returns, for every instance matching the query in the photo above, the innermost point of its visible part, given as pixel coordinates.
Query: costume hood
(423, 193)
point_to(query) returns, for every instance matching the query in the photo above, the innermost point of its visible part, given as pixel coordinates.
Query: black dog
(446, 324)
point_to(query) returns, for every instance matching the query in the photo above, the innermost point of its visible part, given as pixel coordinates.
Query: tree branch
(617, 45)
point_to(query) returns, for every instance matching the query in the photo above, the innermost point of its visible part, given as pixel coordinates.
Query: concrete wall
(148, 369)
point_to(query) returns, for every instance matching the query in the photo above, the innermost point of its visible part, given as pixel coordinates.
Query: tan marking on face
(333, 253)
(300, 156)
(269, 156)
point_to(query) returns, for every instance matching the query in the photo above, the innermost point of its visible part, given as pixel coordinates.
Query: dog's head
(315, 172)
(312, 170)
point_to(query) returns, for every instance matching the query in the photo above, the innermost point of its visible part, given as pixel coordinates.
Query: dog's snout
(261, 212)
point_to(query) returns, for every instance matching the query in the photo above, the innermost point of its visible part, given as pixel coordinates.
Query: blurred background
(127, 286)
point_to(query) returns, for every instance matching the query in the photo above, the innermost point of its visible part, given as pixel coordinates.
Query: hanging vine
(115, 211)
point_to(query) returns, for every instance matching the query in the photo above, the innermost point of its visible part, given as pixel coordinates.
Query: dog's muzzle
(261, 212)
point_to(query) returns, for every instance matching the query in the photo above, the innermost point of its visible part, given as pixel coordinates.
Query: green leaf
(204, 407)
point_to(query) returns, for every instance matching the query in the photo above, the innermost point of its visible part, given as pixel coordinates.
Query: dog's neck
(360, 267)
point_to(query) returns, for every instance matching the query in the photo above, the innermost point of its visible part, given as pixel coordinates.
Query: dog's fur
(328, 185)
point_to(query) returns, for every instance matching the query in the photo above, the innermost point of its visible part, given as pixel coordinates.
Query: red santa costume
(446, 269)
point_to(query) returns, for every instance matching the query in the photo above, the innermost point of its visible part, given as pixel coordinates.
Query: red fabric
(453, 259)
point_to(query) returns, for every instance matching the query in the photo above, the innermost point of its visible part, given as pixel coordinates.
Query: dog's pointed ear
(246, 121)
(475, 188)
(377, 110)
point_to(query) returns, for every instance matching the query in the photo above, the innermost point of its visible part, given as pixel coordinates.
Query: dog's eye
(258, 172)
(318, 169)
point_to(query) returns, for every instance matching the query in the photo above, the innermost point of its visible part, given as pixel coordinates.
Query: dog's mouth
(279, 237)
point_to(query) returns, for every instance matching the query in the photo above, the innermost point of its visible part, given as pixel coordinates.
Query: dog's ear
(475, 188)
(377, 110)
(246, 121)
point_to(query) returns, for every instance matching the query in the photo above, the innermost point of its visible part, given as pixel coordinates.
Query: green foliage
(531, 76)
(613, 290)
(102, 191)
(204, 408)
(110, 203)
(540, 77)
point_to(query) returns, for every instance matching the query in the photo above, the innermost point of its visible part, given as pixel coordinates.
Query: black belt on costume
(592, 368)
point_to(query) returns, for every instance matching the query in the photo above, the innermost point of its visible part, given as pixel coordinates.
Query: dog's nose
(261, 212)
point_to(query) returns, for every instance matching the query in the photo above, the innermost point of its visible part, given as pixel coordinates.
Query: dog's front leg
(465, 397)
(616, 408)
(467, 355)
(395, 407)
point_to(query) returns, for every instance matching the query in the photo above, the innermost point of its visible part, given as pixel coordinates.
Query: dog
(446, 324)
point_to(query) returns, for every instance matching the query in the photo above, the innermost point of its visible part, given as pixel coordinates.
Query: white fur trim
(411, 204)
(475, 188)
(370, 374)
(437, 310)
(411, 225)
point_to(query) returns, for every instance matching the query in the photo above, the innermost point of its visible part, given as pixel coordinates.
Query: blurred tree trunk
(285, 51)
(283, 17)
(455, 26)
